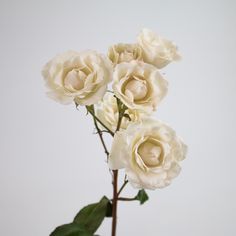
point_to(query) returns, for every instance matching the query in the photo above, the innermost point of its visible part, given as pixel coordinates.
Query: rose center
(150, 153)
(138, 88)
(126, 56)
(74, 80)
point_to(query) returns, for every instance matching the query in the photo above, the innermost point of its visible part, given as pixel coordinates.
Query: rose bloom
(124, 53)
(79, 77)
(150, 152)
(139, 86)
(157, 50)
(107, 112)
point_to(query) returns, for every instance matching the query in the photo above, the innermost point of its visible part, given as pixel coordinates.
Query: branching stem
(121, 109)
(122, 187)
(126, 199)
(90, 110)
(101, 137)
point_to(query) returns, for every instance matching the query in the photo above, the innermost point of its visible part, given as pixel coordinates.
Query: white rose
(80, 77)
(124, 53)
(150, 152)
(139, 86)
(157, 50)
(107, 112)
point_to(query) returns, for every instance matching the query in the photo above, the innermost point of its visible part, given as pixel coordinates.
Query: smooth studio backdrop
(51, 163)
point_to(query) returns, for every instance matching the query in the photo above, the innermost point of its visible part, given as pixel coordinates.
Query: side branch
(98, 130)
(91, 111)
(126, 199)
(122, 187)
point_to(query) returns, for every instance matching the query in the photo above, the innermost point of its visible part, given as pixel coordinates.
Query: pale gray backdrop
(50, 162)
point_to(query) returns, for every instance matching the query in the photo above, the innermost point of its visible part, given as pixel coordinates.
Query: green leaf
(92, 215)
(72, 229)
(109, 209)
(142, 196)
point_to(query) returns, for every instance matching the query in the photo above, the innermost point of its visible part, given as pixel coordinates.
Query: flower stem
(114, 202)
(100, 135)
(121, 109)
(126, 199)
(90, 110)
(122, 187)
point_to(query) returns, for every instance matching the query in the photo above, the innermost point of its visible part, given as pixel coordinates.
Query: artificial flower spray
(147, 149)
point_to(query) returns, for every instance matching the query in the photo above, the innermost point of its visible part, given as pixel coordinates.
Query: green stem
(90, 110)
(121, 110)
(126, 199)
(122, 187)
(100, 135)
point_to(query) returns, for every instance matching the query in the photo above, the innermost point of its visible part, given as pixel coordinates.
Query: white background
(51, 164)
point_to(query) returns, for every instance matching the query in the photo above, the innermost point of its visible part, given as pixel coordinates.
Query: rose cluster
(148, 149)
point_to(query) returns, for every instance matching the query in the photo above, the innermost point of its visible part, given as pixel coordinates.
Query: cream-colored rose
(124, 53)
(139, 86)
(80, 77)
(150, 152)
(157, 50)
(107, 112)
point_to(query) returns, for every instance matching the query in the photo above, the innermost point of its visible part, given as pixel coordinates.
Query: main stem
(114, 202)
(116, 193)
(115, 175)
